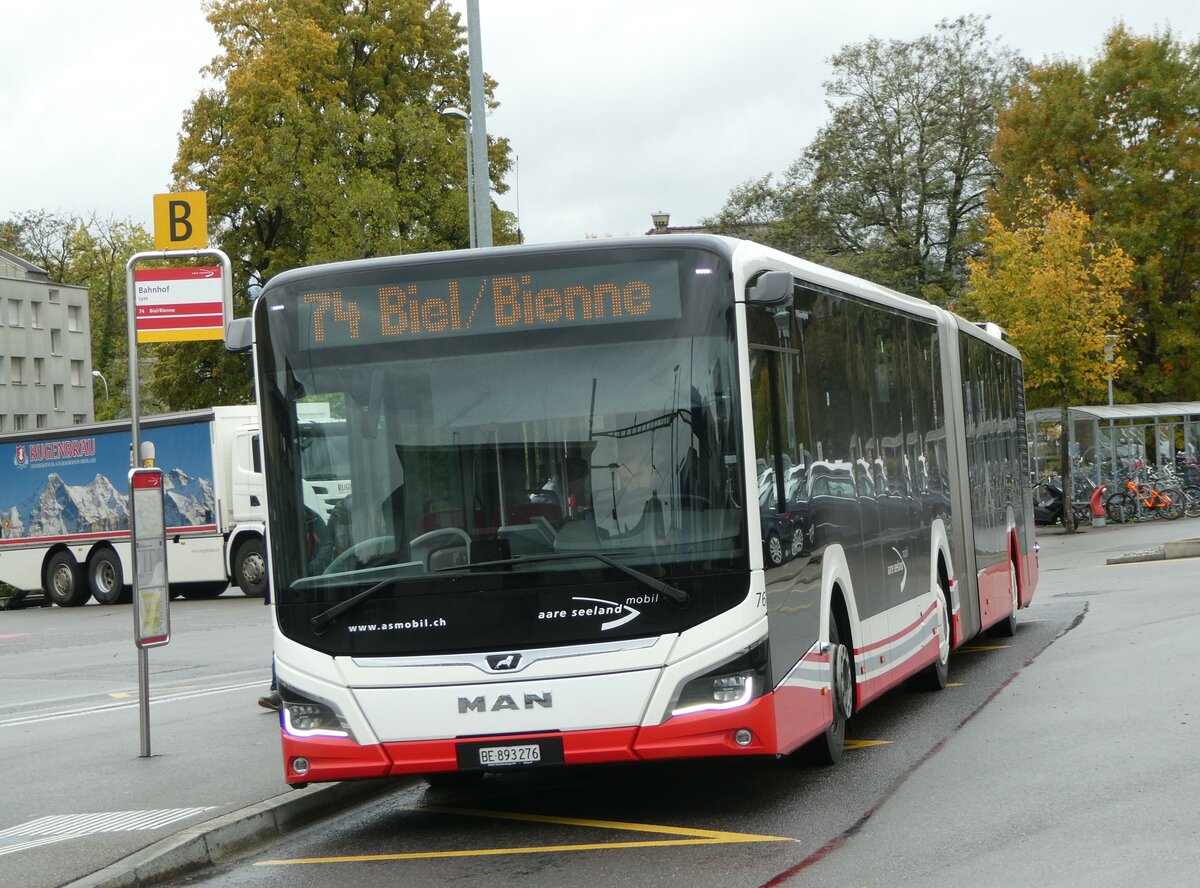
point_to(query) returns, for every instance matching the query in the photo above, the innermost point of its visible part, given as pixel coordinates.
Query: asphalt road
(688, 824)
(1063, 756)
(76, 793)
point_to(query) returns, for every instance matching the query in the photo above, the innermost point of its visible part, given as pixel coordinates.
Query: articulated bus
(676, 496)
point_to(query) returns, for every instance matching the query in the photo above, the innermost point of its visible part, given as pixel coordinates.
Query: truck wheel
(250, 569)
(63, 583)
(104, 578)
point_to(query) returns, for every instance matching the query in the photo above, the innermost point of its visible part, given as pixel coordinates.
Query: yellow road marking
(863, 744)
(980, 648)
(121, 695)
(694, 837)
(954, 684)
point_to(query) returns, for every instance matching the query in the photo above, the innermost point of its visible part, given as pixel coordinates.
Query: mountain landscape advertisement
(78, 484)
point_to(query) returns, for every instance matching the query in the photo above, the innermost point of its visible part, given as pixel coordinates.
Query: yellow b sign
(181, 221)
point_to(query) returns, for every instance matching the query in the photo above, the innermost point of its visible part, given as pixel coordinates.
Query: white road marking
(36, 718)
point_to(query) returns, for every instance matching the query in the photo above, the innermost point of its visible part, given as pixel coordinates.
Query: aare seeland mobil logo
(612, 613)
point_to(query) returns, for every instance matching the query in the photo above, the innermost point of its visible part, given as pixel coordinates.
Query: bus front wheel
(827, 748)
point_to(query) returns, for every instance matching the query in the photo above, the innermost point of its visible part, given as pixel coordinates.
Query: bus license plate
(496, 753)
(492, 756)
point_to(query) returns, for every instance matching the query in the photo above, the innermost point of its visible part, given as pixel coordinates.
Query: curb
(225, 837)
(1178, 549)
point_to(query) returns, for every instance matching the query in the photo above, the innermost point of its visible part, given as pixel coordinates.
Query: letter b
(178, 212)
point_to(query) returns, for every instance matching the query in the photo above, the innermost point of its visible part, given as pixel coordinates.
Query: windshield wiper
(678, 596)
(322, 620)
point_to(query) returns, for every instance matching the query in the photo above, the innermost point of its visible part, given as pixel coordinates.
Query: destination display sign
(501, 303)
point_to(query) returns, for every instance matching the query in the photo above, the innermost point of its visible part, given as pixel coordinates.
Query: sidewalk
(223, 838)
(1126, 543)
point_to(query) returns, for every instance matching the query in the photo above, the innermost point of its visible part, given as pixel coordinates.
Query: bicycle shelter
(1107, 438)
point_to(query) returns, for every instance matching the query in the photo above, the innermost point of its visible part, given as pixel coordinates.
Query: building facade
(45, 350)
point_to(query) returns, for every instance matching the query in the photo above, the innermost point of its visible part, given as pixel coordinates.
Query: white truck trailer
(64, 507)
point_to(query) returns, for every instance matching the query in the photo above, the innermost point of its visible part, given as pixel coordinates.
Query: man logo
(503, 662)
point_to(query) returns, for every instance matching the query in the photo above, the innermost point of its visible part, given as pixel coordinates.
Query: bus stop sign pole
(148, 540)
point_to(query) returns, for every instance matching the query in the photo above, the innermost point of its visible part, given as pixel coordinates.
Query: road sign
(179, 304)
(181, 221)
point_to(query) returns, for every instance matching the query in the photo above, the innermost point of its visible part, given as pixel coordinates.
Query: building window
(80, 418)
(39, 371)
(40, 422)
(74, 316)
(18, 422)
(77, 373)
(55, 341)
(58, 397)
(16, 371)
(1, 422)
(14, 312)
(35, 309)
(54, 295)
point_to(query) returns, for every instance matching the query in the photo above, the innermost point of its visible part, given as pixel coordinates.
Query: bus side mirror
(771, 288)
(239, 335)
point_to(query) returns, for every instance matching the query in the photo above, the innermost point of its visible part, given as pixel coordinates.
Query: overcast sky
(615, 108)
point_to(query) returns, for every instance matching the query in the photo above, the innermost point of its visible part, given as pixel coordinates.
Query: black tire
(201, 591)
(828, 748)
(105, 580)
(1121, 507)
(1174, 507)
(936, 676)
(774, 553)
(63, 582)
(1007, 627)
(250, 568)
(1191, 501)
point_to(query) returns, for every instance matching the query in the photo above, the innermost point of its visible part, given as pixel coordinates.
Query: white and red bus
(622, 500)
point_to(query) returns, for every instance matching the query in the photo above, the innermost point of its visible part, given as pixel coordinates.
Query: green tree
(322, 140)
(1058, 292)
(1120, 137)
(892, 188)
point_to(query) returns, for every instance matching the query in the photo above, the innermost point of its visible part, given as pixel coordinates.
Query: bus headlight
(724, 692)
(305, 717)
(732, 684)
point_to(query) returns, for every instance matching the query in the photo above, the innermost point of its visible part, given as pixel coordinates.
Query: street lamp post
(466, 118)
(1110, 343)
(100, 376)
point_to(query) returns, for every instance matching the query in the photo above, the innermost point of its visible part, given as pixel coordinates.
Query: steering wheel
(359, 553)
(431, 535)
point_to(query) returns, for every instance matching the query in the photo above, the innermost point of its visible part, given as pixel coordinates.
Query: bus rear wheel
(1007, 627)
(934, 677)
(63, 583)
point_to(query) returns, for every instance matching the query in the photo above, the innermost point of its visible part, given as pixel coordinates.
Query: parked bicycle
(1140, 502)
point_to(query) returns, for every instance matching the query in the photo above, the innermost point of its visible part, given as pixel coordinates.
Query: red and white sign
(178, 304)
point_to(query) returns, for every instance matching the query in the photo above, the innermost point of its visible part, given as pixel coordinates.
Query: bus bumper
(749, 730)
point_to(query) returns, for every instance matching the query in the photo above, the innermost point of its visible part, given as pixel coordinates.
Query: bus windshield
(497, 450)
